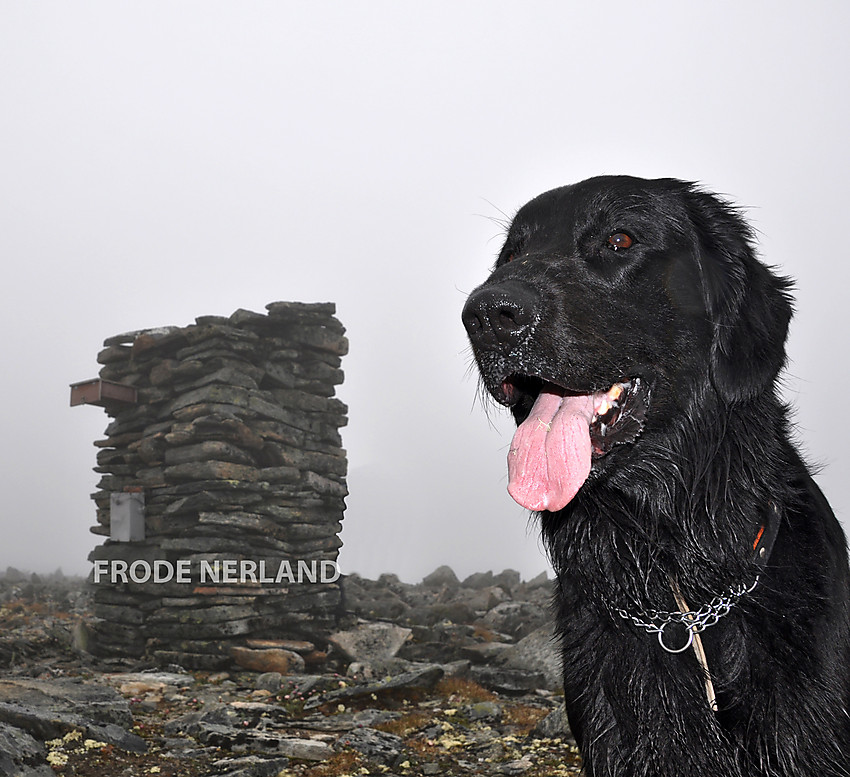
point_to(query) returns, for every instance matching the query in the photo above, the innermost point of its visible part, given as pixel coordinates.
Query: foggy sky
(161, 161)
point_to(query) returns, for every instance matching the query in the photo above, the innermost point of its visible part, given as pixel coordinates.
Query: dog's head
(613, 303)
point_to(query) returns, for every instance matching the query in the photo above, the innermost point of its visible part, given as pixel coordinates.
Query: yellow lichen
(448, 742)
(55, 758)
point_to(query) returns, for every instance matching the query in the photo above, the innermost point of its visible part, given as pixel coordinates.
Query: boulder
(539, 652)
(516, 618)
(508, 681)
(422, 678)
(20, 754)
(509, 579)
(441, 577)
(555, 725)
(478, 580)
(370, 641)
(378, 746)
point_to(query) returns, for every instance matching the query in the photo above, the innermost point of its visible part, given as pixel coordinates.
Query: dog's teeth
(610, 399)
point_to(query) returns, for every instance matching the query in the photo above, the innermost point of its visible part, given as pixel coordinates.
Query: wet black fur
(690, 308)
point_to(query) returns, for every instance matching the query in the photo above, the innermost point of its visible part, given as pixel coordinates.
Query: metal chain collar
(694, 621)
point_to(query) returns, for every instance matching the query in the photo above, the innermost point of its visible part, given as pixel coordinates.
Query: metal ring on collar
(675, 650)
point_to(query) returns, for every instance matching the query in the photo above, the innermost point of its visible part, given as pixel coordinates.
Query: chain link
(694, 621)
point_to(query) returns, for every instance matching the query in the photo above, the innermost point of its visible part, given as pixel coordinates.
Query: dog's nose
(500, 315)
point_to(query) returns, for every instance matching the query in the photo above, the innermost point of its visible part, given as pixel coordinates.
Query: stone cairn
(234, 444)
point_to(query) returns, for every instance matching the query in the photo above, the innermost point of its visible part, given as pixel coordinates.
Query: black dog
(702, 579)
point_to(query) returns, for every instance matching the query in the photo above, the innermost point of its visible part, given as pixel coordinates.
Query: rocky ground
(440, 678)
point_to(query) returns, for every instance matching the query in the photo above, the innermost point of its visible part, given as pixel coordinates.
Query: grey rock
(325, 486)
(322, 340)
(509, 579)
(554, 726)
(390, 667)
(297, 311)
(433, 731)
(301, 685)
(345, 721)
(370, 641)
(440, 577)
(453, 612)
(250, 766)
(360, 671)
(204, 470)
(458, 668)
(245, 740)
(485, 652)
(421, 679)
(440, 643)
(519, 766)
(537, 651)
(51, 709)
(177, 679)
(516, 618)
(380, 669)
(280, 474)
(430, 653)
(540, 581)
(478, 580)
(207, 450)
(378, 746)
(305, 749)
(20, 754)
(269, 681)
(378, 602)
(182, 748)
(193, 723)
(509, 681)
(371, 717)
(483, 710)
(14, 575)
(486, 598)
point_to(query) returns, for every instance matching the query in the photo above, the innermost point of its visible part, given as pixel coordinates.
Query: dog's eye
(620, 240)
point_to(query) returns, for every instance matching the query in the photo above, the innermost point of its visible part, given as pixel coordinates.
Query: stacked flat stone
(234, 441)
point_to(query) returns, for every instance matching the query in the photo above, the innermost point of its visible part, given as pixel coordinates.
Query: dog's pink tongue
(550, 453)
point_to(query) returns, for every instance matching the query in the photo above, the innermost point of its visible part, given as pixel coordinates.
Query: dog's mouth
(562, 432)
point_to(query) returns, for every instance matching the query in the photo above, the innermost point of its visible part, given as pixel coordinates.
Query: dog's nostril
(499, 315)
(473, 320)
(508, 320)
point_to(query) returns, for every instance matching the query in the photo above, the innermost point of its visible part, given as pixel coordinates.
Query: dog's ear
(750, 306)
